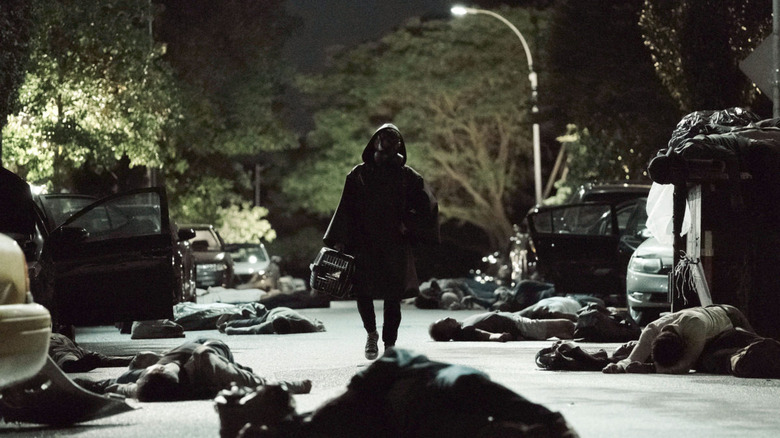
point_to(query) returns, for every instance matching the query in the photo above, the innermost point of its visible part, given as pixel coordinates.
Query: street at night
(595, 404)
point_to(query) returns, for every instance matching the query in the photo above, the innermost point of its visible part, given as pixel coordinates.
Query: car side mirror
(186, 234)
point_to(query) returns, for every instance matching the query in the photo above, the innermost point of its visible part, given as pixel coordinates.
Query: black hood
(368, 152)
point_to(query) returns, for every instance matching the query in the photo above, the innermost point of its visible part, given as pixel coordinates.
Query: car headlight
(646, 265)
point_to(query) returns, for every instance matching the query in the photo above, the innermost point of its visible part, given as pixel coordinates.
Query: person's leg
(761, 359)
(716, 357)
(245, 322)
(392, 320)
(265, 328)
(738, 319)
(365, 305)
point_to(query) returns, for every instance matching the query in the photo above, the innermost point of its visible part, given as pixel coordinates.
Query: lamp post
(460, 11)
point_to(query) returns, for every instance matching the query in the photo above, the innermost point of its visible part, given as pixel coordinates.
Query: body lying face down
(403, 394)
(500, 327)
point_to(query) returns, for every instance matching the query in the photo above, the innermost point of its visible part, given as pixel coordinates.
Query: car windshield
(123, 217)
(249, 254)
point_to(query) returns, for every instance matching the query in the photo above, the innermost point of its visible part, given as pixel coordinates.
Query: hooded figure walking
(385, 210)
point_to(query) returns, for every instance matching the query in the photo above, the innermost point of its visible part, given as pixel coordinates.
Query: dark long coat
(383, 212)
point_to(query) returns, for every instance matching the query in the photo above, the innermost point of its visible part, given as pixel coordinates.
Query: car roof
(245, 245)
(616, 192)
(197, 226)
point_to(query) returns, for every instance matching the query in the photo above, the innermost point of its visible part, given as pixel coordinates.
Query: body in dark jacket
(385, 209)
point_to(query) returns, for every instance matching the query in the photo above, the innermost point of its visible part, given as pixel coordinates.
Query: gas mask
(387, 150)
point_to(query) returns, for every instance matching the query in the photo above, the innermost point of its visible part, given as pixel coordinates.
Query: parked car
(522, 253)
(56, 208)
(248, 259)
(25, 327)
(647, 280)
(213, 264)
(584, 248)
(93, 262)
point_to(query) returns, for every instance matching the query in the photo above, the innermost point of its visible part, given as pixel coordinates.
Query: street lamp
(460, 11)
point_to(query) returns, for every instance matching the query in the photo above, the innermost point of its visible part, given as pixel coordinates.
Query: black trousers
(392, 318)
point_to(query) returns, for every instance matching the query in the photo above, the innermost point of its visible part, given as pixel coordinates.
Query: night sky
(350, 22)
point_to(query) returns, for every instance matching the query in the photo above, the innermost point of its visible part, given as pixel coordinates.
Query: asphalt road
(595, 404)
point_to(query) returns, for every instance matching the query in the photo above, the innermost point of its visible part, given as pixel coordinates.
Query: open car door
(113, 261)
(577, 247)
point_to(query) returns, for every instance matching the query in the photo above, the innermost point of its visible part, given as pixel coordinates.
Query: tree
(602, 81)
(246, 223)
(458, 90)
(95, 91)
(15, 27)
(696, 47)
(226, 58)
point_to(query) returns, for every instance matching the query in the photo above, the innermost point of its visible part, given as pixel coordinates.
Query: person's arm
(640, 353)
(492, 337)
(129, 390)
(468, 301)
(472, 333)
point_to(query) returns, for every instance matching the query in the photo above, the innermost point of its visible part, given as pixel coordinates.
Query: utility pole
(776, 58)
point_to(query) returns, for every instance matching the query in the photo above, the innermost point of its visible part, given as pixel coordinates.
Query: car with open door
(112, 260)
(584, 248)
(522, 255)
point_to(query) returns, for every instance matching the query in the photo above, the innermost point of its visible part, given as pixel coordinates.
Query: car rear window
(205, 240)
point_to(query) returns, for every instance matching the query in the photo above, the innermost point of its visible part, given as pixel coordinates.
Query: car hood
(653, 248)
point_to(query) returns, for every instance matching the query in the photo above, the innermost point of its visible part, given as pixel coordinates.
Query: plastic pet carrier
(331, 273)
